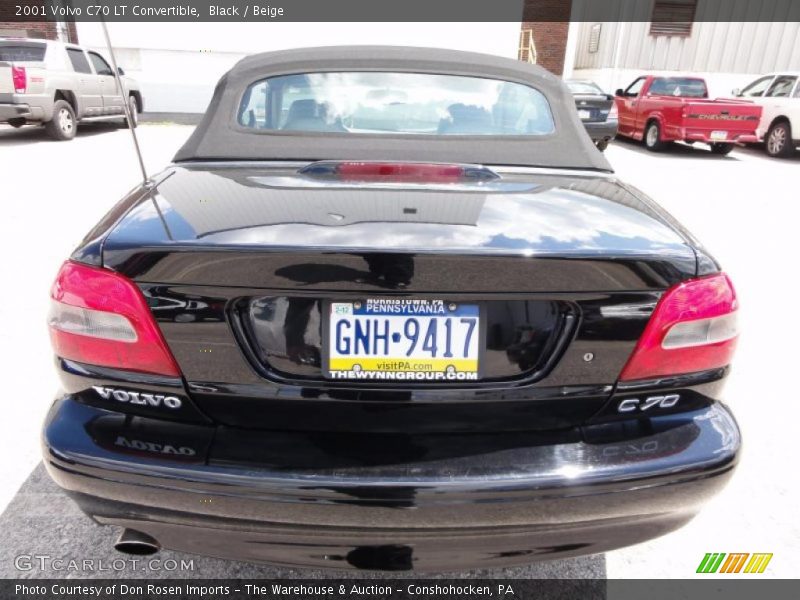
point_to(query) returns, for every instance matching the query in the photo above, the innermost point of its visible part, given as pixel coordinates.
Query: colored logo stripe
(712, 562)
(758, 563)
(734, 562)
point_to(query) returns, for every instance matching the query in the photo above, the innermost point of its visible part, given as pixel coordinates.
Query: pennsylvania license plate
(402, 340)
(719, 135)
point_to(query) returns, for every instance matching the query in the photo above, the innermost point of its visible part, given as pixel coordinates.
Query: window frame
(110, 73)
(595, 32)
(598, 90)
(626, 92)
(237, 110)
(82, 52)
(776, 79)
(25, 44)
(666, 27)
(661, 78)
(768, 78)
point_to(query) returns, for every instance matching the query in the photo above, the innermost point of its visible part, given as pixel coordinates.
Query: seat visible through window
(464, 118)
(309, 115)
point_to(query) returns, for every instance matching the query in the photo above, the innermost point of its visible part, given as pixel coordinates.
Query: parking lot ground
(744, 207)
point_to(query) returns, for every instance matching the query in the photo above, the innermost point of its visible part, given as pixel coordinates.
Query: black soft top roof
(220, 137)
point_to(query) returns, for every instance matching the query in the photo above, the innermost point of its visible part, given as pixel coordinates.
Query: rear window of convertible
(395, 103)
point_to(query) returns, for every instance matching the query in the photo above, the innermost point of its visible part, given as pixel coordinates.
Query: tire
(133, 106)
(63, 125)
(652, 137)
(601, 145)
(721, 149)
(778, 142)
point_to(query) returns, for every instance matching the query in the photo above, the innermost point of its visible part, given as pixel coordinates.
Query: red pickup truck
(660, 110)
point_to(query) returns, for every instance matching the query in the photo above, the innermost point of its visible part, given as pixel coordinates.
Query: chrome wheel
(65, 121)
(652, 138)
(652, 135)
(776, 141)
(134, 111)
(63, 125)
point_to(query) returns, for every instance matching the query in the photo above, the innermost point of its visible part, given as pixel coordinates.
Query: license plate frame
(719, 135)
(479, 336)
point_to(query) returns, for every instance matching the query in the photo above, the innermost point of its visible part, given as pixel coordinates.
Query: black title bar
(541, 11)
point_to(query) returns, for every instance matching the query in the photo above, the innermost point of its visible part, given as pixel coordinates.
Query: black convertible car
(389, 308)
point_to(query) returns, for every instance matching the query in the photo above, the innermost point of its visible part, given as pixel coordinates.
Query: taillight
(397, 171)
(101, 318)
(693, 328)
(613, 114)
(20, 77)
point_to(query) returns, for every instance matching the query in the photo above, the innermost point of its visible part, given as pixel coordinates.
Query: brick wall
(35, 29)
(549, 21)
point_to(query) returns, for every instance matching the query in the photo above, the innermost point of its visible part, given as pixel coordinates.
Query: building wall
(178, 64)
(728, 54)
(45, 30)
(549, 21)
(38, 29)
(730, 46)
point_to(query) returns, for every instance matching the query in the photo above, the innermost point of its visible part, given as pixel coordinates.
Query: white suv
(59, 84)
(779, 94)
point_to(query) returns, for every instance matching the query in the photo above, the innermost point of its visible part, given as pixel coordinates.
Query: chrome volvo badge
(632, 404)
(138, 398)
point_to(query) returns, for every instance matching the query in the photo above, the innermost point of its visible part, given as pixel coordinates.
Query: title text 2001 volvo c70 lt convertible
(389, 308)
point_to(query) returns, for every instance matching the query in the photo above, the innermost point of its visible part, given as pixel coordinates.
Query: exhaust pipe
(137, 543)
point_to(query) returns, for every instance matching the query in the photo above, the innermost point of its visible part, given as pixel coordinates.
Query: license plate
(402, 340)
(585, 114)
(719, 135)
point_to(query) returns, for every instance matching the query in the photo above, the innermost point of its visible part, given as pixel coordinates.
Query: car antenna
(125, 105)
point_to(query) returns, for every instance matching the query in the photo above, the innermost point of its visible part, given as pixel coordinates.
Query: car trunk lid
(593, 108)
(241, 265)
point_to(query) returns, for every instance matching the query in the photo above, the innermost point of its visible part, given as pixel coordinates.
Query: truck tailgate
(6, 80)
(739, 117)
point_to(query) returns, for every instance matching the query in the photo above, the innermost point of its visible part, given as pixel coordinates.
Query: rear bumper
(490, 509)
(33, 107)
(603, 130)
(693, 135)
(14, 111)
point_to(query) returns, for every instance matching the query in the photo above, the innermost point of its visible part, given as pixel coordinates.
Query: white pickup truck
(779, 95)
(60, 84)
